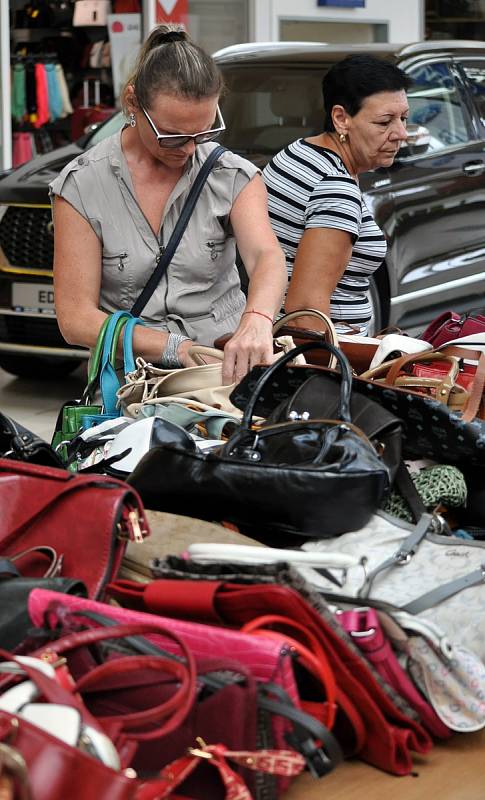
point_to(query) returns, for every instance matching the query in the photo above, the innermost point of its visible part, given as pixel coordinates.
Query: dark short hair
(350, 81)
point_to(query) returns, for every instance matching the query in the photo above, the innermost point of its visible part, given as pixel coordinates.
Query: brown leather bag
(441, 375)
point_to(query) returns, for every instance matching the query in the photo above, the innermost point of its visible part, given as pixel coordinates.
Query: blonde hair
(170, 63)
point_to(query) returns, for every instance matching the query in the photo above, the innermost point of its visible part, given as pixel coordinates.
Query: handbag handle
(198, 351)
(95, 360)
(311, 312)
(270, 372)
(180, 703)
(315, 659)
(108, 380)
(9, 570)
(167, 716)
(443, 386)
(109, 329)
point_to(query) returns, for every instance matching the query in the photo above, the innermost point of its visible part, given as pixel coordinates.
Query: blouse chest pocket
(115, 261)
(117, 278)
(215, 247)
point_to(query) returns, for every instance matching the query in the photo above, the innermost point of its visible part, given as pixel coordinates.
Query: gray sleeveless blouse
(200, 294)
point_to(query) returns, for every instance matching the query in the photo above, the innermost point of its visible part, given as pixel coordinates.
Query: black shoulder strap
(177, 233)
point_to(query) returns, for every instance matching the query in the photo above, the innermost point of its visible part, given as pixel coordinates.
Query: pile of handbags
(335, 631)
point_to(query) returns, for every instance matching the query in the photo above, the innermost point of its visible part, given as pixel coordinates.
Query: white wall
(5, 120)
(405, 17)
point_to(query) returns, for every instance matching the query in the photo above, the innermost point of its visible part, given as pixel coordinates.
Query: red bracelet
(260, 313)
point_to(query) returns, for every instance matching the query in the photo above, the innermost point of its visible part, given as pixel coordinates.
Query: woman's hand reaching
(251, 344)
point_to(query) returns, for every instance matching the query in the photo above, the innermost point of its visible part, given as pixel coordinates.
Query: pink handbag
(267, 659)
(450, 325)
(364, 627)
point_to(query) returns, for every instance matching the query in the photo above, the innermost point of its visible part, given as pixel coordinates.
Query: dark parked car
(430, 204)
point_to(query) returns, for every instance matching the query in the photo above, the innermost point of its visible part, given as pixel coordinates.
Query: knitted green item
(442, 483)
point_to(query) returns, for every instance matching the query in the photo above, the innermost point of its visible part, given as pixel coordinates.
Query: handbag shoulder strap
(178, 231)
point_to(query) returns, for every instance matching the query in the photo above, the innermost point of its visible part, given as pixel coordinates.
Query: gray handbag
(440, 578)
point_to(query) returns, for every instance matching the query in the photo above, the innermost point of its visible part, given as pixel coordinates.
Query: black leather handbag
(302, 477)
(314, 392)
(21, 444)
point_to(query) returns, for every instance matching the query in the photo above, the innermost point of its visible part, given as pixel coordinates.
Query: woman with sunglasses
(115, 208)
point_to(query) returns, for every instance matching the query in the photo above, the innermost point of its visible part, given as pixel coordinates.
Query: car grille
(25, 237)
(31, 330)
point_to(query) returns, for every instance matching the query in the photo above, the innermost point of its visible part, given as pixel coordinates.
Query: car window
(434, 102)
(475, 72)
(266, 107)
(111, 125)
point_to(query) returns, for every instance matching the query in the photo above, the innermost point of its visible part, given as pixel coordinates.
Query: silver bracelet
(170, 358)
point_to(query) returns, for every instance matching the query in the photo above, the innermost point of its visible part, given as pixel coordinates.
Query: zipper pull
(161, 250)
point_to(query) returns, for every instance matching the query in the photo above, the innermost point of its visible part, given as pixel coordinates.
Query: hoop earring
(342, 137)
(132, 120)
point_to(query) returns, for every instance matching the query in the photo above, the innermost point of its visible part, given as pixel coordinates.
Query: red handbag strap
(316, 661)
(50, 689)
(166, 716)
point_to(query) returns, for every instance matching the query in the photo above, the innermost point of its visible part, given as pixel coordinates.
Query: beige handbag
(201, 384)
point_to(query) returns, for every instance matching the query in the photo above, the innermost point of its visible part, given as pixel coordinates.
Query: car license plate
(33, 297)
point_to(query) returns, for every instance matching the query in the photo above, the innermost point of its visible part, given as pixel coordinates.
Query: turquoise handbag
(78, 415)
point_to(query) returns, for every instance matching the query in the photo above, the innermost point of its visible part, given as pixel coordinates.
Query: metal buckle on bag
(248, 452)
(13, 764)
(130, 528)
(295, 416)
(403, 558)
(199, 751)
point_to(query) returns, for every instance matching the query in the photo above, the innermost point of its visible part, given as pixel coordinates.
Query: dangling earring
(342, 137)
(132, 119)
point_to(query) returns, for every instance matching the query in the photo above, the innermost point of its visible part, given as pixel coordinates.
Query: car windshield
(113, 124)
(266, 107)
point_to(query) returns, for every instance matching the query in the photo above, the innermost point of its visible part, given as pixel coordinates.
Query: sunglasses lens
(173, 141)
(207, 137)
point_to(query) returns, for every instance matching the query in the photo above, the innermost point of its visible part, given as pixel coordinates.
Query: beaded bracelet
(260, 313)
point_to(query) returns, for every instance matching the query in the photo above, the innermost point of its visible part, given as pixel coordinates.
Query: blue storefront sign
(342, 3)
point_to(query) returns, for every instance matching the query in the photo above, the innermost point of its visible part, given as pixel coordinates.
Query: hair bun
(172, 36)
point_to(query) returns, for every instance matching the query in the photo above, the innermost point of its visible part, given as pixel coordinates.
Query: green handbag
(77, 415)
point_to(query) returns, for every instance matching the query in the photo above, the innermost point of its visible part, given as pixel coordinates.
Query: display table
(452, 771)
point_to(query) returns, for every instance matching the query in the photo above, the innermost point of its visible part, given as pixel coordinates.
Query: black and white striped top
(310, 187)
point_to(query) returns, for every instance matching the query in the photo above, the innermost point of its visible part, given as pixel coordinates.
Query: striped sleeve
(335, 202)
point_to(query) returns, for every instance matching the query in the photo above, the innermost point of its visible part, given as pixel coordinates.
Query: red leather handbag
(45, 767)
(451, 325)
(86, 519)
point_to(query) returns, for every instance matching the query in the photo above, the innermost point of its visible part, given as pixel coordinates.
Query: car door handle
(474, 167)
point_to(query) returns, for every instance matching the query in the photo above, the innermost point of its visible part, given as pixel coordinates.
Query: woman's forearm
(83, 329)
(267, 284)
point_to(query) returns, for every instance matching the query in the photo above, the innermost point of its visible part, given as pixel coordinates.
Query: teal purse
(78, 415)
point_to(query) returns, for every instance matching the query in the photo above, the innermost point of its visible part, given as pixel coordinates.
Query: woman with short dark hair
(331, 241)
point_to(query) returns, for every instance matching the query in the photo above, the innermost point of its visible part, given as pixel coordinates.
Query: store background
(213, 24)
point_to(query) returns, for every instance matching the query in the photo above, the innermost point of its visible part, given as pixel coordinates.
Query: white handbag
(438, 578)
(91, 12)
